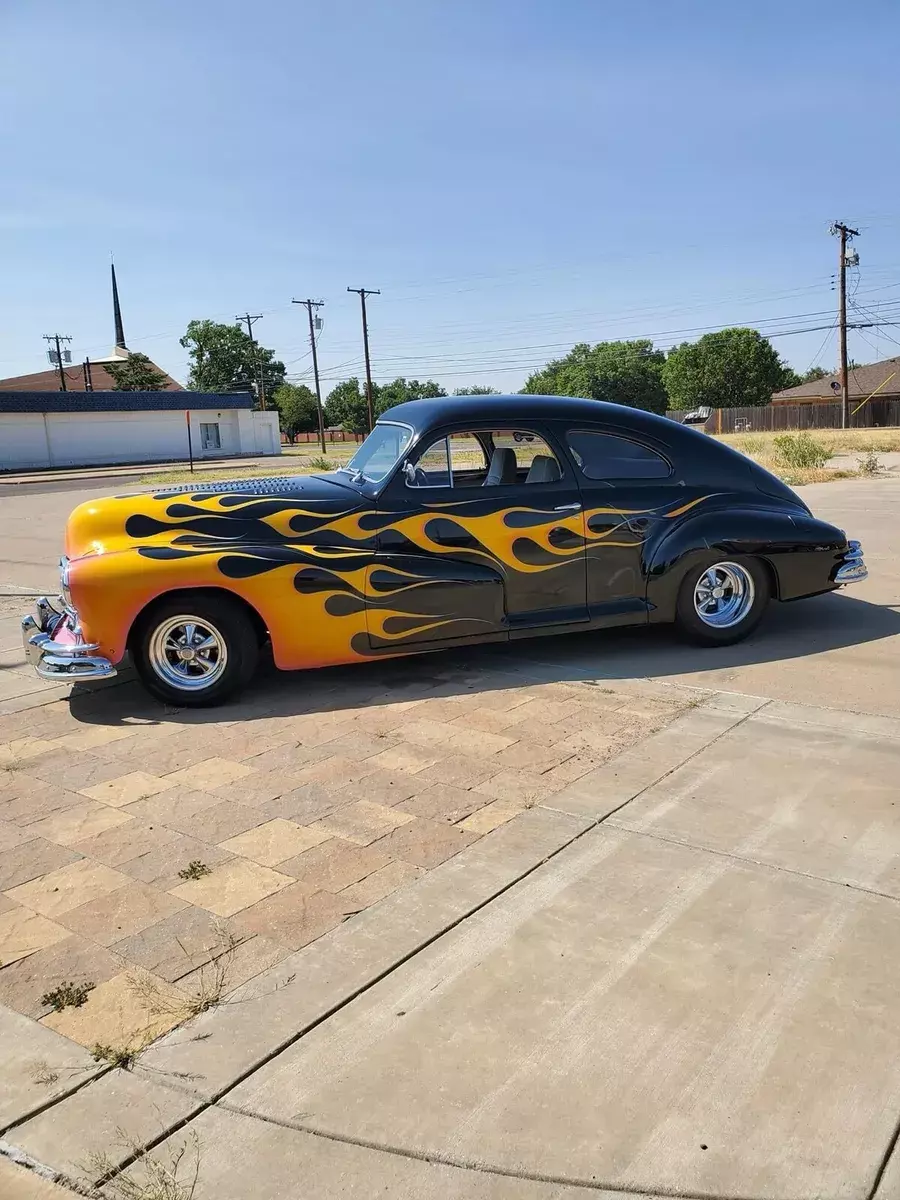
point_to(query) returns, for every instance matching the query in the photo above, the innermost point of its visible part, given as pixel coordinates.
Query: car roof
(506, 410)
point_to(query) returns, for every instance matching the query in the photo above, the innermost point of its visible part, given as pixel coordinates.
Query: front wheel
(723, 601)
(195, 650)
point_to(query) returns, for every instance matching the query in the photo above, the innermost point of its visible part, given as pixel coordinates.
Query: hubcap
(187, 653)
(723, 595)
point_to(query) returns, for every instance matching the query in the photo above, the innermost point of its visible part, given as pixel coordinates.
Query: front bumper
(55, 647)
(852, 568)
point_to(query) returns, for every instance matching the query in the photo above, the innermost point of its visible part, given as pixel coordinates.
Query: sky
(513, 175)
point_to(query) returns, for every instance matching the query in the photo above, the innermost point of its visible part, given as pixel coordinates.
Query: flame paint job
(338, 575)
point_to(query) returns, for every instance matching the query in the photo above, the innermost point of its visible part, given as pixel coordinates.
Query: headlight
(64, 581)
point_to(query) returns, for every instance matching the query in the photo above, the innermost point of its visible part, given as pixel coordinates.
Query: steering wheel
(415, 476)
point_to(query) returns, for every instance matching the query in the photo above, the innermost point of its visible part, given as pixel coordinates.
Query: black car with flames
(458, 520)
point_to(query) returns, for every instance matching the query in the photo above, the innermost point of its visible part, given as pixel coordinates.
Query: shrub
(801, 450)
(321, 464)
(869, 464)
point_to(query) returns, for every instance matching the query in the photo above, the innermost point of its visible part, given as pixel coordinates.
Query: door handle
(568, 507)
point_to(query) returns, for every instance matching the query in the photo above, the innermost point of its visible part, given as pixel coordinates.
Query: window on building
(605, 456)
(209, 435)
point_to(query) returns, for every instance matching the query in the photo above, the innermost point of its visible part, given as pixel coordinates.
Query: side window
(488, 458)
(521, 457)
(432, 468)
(605, 456)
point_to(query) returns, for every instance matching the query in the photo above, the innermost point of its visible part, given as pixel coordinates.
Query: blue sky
(514, 176)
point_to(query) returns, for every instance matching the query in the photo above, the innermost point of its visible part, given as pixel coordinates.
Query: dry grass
(149, 1177)
(209, 989)
(867, 442)
(838, 441)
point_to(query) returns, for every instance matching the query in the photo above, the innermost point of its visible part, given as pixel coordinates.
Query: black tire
(235, 653)
(752, 573)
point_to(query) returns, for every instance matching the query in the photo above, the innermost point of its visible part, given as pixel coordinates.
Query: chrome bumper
(852, 569)
(61, 660)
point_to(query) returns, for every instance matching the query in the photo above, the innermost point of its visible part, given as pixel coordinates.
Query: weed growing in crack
(151, 1176)
(209, 987)
(123, 1057)
(67, 995)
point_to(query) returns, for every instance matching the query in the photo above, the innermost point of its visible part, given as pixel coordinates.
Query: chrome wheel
(187, 653)
(724, 595)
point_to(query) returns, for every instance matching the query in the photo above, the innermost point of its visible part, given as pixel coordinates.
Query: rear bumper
(852, 569)
(55, 647)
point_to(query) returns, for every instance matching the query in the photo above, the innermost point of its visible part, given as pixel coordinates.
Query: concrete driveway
(675, 975)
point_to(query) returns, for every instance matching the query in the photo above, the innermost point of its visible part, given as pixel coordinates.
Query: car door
(632, 492)
(480, 538)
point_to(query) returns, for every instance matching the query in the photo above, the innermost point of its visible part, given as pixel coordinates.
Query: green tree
(400, 390)
(734, 368)
(813, 374)
(223, 356)
(345, 405)
(297, 408)
(137, 373)
(622, 372)
(476, 390)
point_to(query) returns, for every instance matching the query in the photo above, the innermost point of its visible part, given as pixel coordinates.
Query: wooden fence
(876, 414)
(331, 435)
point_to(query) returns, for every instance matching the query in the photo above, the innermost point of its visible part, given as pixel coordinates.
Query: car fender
(111, 590)
(799, 551)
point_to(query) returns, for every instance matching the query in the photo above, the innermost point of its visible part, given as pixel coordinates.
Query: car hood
(268, 511)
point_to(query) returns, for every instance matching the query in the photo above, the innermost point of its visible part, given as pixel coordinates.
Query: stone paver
(362, 822)
(128, 1010)
(275, 841)
(81, 821)
(294, 917)
(426, 843)
(31, 859)
(335, 864)
(306, 809)
(72, 960)
(231, 886)
(126, 789)
(121, 913)
(22, 932)
(68, 887)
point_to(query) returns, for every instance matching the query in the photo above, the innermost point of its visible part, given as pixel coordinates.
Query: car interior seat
(543, 469)
(503, 467)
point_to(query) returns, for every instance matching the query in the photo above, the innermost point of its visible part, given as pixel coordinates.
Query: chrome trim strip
(60, 660)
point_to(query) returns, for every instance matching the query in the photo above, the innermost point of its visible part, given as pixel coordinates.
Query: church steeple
(117, 312)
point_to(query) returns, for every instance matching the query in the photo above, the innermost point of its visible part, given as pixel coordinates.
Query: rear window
(606, 456)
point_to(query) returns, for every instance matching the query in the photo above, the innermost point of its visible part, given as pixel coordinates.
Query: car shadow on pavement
(789, 631)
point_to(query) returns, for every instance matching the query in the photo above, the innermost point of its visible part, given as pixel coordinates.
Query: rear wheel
(723, 601)
(195, 650)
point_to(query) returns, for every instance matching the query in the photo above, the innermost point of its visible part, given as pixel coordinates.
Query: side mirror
(409, 474)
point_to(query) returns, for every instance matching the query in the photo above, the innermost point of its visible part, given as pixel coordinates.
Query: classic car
(458, 520)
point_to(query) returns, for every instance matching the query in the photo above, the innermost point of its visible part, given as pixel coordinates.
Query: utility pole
(57, 338)
(844, 232)
(310, 305)
(362, 293)
(260, 382)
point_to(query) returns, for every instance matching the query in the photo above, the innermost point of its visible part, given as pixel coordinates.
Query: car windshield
(379, 452)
